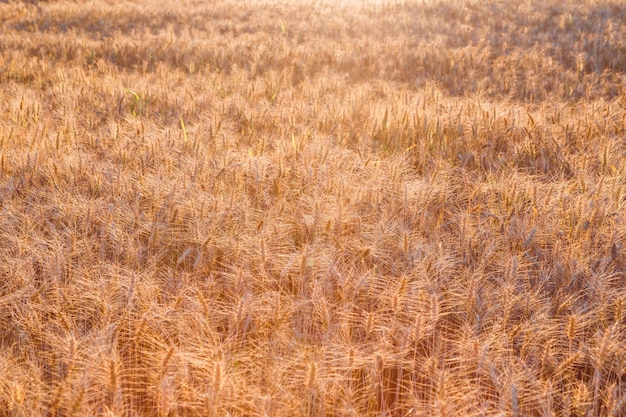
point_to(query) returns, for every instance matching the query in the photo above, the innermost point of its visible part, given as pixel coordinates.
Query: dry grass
(312, 208)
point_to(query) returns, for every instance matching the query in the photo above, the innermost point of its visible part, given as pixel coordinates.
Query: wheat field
(312, 208)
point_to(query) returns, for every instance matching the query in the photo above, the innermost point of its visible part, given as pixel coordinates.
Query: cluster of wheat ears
(312, 208)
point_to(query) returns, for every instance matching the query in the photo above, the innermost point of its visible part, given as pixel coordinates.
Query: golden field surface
(313, 208)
